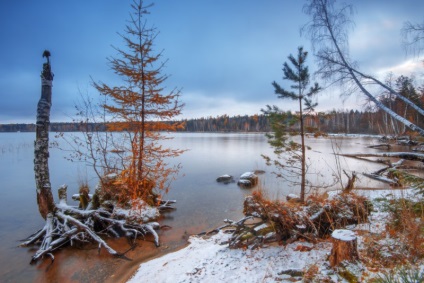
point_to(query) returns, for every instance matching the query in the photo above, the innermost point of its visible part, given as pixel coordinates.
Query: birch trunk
(41, 146)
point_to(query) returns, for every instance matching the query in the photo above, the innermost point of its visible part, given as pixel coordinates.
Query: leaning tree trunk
(41, 146)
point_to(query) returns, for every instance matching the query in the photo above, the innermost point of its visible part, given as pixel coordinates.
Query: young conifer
(142, 108)
(281, 122)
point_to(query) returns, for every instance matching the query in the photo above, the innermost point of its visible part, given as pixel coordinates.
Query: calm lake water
(202, 203)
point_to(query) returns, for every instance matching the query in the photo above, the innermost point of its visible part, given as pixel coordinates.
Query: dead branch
(350, 182)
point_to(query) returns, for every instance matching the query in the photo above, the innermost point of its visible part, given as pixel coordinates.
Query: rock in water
(248, 180)
(226, 179)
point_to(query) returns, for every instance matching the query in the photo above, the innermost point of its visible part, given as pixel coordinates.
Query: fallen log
(403, 155)
(381, 179)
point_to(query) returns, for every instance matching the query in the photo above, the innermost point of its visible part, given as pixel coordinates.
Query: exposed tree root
(70, 225)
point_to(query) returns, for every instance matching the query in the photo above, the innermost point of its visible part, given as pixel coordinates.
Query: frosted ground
(209, 260)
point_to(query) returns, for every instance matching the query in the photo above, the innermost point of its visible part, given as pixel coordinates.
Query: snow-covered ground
(208, 260)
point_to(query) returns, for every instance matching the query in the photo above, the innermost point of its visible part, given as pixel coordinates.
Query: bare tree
(328, 31)
(413, 37)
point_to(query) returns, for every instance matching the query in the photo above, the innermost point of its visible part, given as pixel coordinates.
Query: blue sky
(223, 54)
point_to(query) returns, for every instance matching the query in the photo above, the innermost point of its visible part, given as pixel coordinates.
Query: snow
(139, 211)
(225, 176)
(210, 260)
(292, 196)
(343, 235)
(247, 175)
(206, 260)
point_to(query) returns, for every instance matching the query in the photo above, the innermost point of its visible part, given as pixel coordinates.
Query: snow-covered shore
(208, 260)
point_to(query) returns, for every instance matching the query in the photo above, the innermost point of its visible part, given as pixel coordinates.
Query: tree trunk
(344, 247)
(303, 161)
(41, 146)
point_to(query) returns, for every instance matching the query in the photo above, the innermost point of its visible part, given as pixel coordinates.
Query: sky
(223, 54)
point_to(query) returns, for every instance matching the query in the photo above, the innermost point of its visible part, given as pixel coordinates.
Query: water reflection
(202, 202)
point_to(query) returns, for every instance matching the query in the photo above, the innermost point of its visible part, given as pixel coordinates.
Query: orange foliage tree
(142, 109)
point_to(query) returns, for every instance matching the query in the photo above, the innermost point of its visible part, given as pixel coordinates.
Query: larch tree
(328, 31)
(142, 108)
(285, 148)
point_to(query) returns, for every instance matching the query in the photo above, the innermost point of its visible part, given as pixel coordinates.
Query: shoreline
(211, 260)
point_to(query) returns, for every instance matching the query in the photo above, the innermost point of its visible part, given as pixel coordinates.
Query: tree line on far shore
(336, 121)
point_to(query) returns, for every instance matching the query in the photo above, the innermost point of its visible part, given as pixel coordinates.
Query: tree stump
(45, 199)
(344, 247)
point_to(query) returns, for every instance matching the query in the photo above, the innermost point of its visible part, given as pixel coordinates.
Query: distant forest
(349, 122)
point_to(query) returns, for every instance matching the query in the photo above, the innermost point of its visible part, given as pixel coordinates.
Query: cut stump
(344, 247)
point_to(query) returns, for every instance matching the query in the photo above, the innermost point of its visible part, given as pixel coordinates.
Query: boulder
(248, 180)
(226, 179)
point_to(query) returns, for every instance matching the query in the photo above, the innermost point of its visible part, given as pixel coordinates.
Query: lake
(202, 203)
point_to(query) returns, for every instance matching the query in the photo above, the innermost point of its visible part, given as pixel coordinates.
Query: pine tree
(143, 108)
(281, 123)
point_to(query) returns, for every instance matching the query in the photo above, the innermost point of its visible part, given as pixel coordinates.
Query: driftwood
(403, 155)
(391, 179)
(381, 179)
(286, 222)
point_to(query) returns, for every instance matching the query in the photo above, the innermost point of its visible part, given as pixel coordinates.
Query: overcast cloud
(223, 54)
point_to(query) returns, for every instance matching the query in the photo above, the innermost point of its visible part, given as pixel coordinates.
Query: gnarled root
(70, 225)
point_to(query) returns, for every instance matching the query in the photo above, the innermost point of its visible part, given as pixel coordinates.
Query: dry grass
(311, 220)
(402, 242)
